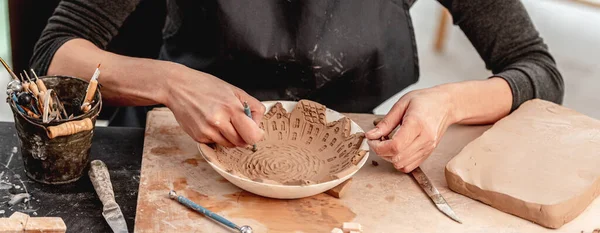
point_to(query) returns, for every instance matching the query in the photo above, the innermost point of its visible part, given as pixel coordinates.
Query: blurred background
(571, 28)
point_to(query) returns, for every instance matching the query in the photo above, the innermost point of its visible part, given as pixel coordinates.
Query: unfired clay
(540, 163)
(300, 148)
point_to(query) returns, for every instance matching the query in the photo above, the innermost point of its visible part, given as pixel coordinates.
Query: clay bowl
(327, 149)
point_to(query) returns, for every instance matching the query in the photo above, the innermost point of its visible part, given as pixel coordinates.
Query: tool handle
(14, 98)
(41, 85)
(34, 88)
(424, 182)
(89, 95)
(101, 180)
(69, 128)
(31, 113)
(206, 212)
(25, 86)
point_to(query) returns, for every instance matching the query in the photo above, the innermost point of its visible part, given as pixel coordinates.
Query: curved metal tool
(428, 187)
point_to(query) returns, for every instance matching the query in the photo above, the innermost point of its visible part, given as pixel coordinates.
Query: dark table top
(77, 203)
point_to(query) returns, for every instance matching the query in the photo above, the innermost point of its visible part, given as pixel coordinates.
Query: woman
(348, 55)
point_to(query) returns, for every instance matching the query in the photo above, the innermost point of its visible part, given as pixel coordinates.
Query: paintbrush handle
(89, 95)
(70, 128)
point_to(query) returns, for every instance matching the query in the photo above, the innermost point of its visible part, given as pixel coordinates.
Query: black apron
(350, 55)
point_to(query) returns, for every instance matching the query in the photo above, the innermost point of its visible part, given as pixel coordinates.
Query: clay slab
(541, 163)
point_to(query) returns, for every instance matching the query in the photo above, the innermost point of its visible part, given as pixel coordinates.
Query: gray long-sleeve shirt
(501, 32)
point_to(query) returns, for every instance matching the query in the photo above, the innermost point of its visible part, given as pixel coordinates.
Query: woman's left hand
(423, 116)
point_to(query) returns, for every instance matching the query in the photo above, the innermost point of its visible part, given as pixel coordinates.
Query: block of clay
(9, 225)
(340, 190)
(351, 226)
(336, 230)
(539, 163)
(45, 225)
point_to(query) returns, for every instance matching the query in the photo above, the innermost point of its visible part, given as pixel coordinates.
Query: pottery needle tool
(40, 85)
(55, 102)
(187, 202)
(428, 187)
(39, 82)
(24, 83)
(32, 86)
(91, 90)
(249, 114)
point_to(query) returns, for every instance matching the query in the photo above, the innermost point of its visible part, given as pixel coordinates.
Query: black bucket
(62, 159)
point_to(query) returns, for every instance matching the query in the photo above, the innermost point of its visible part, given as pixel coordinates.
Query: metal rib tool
(428, 187)
(434, 194)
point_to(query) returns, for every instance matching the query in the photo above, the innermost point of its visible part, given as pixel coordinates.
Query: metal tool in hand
(249, 114)
(187, 202)
(111, 211)
(428, 187)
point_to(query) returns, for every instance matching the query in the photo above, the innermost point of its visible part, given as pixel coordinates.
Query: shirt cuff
(520, 85)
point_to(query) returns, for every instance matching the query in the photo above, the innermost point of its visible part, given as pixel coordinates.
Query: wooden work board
(380, 198)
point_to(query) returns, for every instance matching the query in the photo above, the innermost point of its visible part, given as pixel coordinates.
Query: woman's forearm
(481, 101)
(124, 80)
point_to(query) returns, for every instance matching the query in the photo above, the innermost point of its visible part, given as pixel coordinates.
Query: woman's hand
(211, 110)
(424, 115)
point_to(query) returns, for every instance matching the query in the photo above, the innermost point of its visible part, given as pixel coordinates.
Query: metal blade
(114, 218)
(427, 186)
(434, 194)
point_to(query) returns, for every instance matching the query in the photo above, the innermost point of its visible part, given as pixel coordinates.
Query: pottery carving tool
(32, 86)
(91, 90)
(249, 114)
(111, 211)
(69, 128)
(428, 187)
(12, 74)
(39, 82)
(24, 83)
(190, 204)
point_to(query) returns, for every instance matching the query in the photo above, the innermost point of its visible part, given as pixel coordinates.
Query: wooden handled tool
(111, 211)
(427, 186)
(69, 128)
(24, 83)
(39, 82)
(89, 95)
(12, 74)
(32, 86)
(91, 90)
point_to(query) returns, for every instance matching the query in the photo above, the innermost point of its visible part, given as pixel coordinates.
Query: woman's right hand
(211, 110)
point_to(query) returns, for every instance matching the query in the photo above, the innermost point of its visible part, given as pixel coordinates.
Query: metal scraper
(431, 191)
(111, 211)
